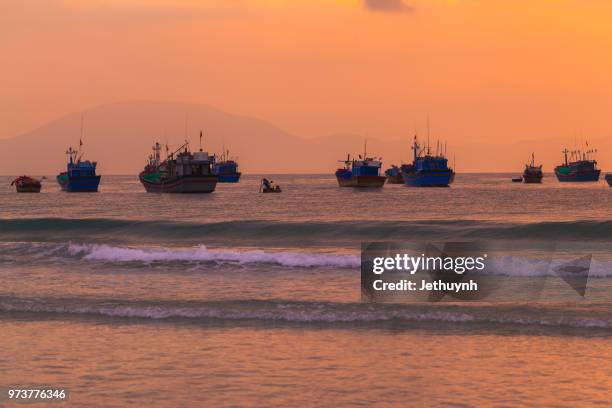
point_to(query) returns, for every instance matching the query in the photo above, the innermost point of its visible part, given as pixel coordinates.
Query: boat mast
(156, 156)
(565, 152)
(80, 141)
(71, 155)
(428, 145)
(186, 118)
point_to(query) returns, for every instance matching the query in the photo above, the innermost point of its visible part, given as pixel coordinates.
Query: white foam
(97, 252)
(523, 266)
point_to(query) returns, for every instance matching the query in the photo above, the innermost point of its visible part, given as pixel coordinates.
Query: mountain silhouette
(119, 137)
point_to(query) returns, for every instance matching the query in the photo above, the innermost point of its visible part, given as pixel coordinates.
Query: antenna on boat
(346, 162)
(575, 140)
(565, 152)
(78, 152)
(200, 139)
(365, 149)
(428, 130)
(82, 120)
(186, 118)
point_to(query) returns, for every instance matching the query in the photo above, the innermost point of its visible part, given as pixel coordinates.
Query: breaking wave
(23, 252)
(530, 267)
(97, 252)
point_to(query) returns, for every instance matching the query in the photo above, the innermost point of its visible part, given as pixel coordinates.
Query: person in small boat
(268, 185)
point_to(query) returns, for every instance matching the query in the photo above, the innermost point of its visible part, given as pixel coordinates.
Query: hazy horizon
(119, 136)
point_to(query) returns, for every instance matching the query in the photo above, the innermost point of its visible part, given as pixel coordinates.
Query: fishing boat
(181, 172)
(25, 184)
(533, 174)
(609, 179)
(427, 169)
(579, 167)
(268, 186)
(364, 172)
(394, 175)
(80, 175)
(226, 168)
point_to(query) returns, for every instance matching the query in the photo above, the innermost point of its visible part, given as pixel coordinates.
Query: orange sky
(482, 69)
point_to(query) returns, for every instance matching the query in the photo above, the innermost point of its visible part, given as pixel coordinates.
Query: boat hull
(28, 188)
(362, 181)
(434, 179)
(395, 179)
(25, 184)
(183, 185)
(532, 178)
(79, 185)
(229, 178)
(609, 179)
(589, 176)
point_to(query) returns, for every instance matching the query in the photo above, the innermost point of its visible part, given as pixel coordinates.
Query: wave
(47, 253)
(97, 252)
(316, 312)
(22, 252)
(533, 267)
(300, 233)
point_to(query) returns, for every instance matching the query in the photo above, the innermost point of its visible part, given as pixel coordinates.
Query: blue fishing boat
(580, 167)
(80, 175)
(533, 174)
(364, 172)
(394, 175)
(226, 169)
(427, 170)
(183, 172)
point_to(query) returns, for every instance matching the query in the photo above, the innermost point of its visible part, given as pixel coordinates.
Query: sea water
(245, 299)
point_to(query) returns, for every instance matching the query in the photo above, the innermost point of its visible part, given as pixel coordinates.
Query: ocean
(244, 299)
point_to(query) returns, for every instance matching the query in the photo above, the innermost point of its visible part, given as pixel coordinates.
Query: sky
(482, 70)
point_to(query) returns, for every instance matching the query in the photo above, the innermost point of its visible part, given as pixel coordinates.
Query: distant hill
(119, 136)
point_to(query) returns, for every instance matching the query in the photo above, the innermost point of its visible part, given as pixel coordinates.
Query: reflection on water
(170, 366)
(318, 198)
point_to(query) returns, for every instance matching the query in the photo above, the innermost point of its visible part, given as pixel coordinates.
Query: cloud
(388, 6)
